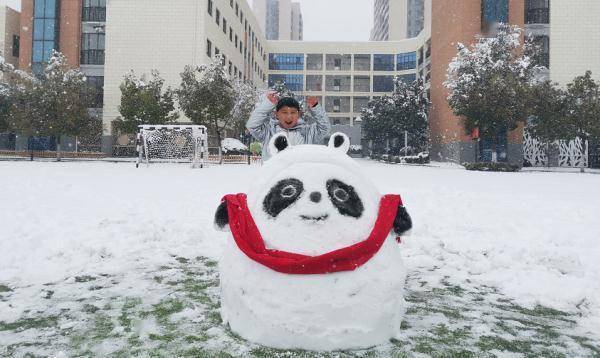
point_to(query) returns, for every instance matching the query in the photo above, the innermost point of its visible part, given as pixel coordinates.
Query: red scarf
(248, 239)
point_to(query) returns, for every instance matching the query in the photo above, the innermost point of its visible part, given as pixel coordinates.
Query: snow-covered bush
(233, 146)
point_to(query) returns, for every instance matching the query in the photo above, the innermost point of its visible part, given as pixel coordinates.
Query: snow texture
(531, 238)
(233, 145)
(353, 309)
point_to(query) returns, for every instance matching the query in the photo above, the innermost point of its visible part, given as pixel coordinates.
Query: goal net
(172, 143)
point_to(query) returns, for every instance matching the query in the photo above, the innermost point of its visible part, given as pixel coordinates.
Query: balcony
(94, 14)
(537, 16)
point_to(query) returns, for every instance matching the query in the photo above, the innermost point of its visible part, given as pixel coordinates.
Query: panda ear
(278, 143)
(339, 142)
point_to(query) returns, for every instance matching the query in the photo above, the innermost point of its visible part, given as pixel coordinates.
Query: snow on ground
(101, 258)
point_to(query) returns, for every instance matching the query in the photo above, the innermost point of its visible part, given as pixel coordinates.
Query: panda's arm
(403, 222)
(222, 217)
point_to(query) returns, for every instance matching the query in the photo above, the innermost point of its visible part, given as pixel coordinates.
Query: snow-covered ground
(99, 258)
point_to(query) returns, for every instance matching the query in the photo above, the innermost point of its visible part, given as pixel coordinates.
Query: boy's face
(287, 117)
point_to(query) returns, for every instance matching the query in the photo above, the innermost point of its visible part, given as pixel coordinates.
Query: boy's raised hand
(272, 97)
(312, 101)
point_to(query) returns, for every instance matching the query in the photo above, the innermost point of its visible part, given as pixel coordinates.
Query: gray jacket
(262, 125)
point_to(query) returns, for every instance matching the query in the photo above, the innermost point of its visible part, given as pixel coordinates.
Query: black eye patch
(344, 198)
(282, 195)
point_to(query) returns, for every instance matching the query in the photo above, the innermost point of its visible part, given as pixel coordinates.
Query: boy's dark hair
(288, 102)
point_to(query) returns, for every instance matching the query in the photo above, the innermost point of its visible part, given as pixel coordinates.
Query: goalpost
(172, 143)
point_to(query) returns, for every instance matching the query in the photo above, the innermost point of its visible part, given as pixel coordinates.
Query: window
(92, 48)
(338, 62)
(217, 51)
(241, 17)
(494, 11)
(337, 104)
(231, 3)
(208, 48)
(314, 61)
(236, 41)
(537, 11)
(218, 17)
(97, 84)
(383, 83)
(224, 26)
(237, 9)
(337, 83)
(407, 61)
(230, 68)
(94, 10)
(16, 45)
(223, 60)
(383, 62)
(410, 78)
(362, 84)
(230, 34)
(45, 32)
(360, 103)
(292, 82)
(286, 61)
(543, 58)
(362, 62)
(235, 71)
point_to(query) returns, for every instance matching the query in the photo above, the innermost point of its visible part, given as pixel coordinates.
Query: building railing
(95, 14)
(537, 16)
(92, 57)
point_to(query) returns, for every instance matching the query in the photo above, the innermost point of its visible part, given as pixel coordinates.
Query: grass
(178, 315)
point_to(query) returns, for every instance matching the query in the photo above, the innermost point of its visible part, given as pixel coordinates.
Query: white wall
(574, 39)
(167, 36)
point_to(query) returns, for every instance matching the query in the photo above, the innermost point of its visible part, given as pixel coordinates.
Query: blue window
(286, 61)
(410, 78)
(407, 61)
(383, 62)
(292, 82)
(383, 83)
(486, 149)
(495, 11)
(45, 25)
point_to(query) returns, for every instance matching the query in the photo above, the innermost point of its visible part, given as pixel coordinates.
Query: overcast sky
(336, 20)
(324, 20)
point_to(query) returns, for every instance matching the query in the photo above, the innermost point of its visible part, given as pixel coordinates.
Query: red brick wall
(455, 21)
(69, 34)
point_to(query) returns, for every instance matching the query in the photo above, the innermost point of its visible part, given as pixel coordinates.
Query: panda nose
(315, 196)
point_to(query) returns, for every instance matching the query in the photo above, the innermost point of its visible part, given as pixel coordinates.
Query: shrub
(492, 167)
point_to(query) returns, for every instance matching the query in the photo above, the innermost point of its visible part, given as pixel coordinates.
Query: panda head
(312, 199)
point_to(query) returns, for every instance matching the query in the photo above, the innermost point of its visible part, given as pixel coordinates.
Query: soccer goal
(173, 144)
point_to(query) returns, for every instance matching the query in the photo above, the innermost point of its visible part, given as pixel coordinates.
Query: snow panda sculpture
(313, 263)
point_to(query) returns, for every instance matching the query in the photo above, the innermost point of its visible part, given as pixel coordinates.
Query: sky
(336, 20)
(324, 20)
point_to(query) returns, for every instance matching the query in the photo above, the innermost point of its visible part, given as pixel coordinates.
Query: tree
(55, 103)
(144, 102)
(6, 71)
(548, 112)
(246, 98)
(388, 118)
(206, 95)
(583, 102)
(489, 83)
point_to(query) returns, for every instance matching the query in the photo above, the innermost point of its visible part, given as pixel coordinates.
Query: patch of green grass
(490, 343)
(29, 323)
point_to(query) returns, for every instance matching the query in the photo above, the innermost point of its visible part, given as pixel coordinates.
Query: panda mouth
(314, 218)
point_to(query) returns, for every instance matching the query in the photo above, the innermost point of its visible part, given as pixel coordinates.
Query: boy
(288, 119)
